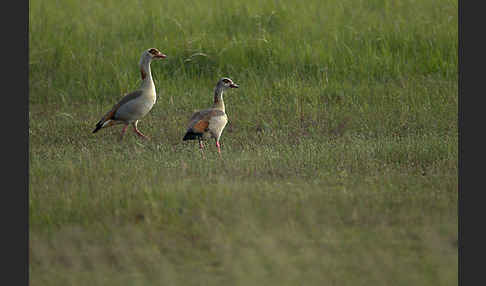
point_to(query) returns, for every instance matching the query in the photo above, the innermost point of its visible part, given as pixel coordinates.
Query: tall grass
(339, 162)
(320, 42)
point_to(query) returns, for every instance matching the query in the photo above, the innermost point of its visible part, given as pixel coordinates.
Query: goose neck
(218, 98)
(146, 74)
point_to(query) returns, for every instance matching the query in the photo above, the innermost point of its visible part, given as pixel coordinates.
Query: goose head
(226, 82)
(147, 57)
(151, 54)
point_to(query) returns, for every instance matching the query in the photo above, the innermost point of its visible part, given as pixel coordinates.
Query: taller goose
(210, 122)
(134, 105)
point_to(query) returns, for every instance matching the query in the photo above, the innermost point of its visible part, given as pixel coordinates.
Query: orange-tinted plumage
(200, 126)
(136, 104)
(210, 122)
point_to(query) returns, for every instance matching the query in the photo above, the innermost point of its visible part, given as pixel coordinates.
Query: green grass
(339, 164)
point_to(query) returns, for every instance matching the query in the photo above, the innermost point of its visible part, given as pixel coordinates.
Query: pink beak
(160, 56)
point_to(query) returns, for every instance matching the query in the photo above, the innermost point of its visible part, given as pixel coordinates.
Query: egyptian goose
(136, 104)
(209, 123)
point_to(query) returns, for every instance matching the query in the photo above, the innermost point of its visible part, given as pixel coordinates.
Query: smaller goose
(136, 104)
(209, 123)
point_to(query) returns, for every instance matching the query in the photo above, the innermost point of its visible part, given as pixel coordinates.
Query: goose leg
(138, 131)
(123, 131)
(201, 147)
(219, 148)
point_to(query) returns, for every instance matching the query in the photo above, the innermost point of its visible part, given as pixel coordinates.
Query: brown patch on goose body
(200, 126)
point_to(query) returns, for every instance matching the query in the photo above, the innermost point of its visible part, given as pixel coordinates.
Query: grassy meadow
(339, 163)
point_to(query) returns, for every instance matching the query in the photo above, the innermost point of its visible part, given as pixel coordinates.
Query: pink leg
(201, 147)
(123, 131)
(138, 131)
(219, 148)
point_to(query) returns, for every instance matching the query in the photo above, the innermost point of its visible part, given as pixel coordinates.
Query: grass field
(339, 164)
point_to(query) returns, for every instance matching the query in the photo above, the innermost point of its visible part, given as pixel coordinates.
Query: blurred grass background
(339, 162)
